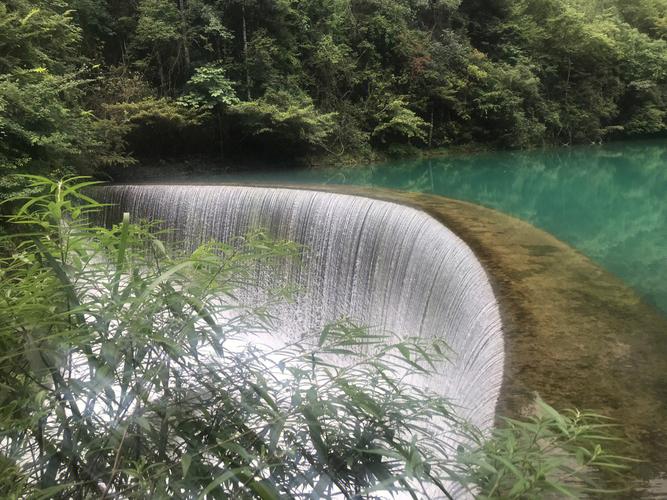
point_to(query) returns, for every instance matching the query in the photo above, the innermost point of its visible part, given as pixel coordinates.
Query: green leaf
(186, 461)
(225, 476)
(51, 492)
(143, 423)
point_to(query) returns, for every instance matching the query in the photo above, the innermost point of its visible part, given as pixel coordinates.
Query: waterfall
(384, 265)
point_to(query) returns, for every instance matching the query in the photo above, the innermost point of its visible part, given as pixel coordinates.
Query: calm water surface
(610, 201)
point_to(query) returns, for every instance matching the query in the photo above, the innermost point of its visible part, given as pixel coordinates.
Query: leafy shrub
(549, 454)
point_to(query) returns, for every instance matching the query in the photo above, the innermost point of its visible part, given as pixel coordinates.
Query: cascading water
(381, 264)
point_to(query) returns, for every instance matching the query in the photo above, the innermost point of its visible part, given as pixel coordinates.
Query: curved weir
(384, 265)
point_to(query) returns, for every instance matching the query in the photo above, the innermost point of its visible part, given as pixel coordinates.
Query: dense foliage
(127, 373)
(90, 83)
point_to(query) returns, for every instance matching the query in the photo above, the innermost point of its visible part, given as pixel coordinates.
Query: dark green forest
(93, 85)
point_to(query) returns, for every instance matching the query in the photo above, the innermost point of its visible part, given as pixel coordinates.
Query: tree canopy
(91, 83)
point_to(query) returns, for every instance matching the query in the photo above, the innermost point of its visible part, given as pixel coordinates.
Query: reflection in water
(609, 202)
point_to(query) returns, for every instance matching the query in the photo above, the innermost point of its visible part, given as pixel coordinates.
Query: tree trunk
(161, 71)
(245, 51)
(184, 34)
(221, 135)
(430, 130)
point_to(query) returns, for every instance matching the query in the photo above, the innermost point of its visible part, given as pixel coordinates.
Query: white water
(382, 264)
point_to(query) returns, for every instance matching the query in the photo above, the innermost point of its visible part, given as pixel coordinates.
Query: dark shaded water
(609, 202)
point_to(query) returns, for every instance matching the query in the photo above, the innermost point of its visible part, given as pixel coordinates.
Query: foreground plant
(550, 454)
(132, 371)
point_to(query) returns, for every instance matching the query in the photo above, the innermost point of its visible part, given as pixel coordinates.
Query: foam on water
(384, 265)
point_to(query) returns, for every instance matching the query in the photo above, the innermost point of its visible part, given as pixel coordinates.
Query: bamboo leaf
(186, 461)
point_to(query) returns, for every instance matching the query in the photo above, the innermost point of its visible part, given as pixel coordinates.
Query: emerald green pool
(609, 202)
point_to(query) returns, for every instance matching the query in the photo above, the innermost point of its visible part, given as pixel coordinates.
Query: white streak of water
(382, 264)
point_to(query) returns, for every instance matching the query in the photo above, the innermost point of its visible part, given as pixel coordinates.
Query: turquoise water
(610, 201)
